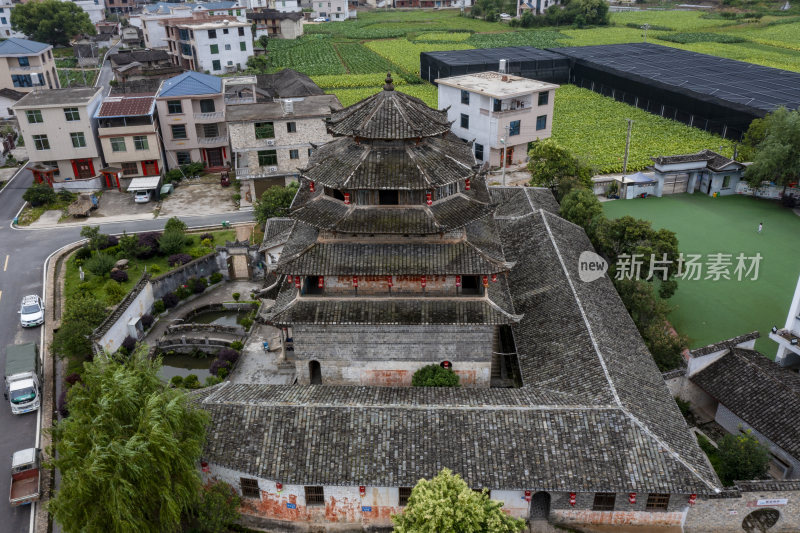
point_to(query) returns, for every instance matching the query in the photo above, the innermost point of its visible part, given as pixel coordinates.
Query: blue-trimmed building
(27, 65)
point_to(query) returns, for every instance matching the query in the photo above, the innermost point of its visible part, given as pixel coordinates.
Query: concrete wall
(87, 185)
(116, 332)
(200, 267)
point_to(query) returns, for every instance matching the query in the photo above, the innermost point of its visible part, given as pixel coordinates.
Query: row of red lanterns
(573, 498)
(423, 281)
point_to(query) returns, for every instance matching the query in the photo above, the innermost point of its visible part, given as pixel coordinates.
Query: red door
(509, 155)
(83, 168)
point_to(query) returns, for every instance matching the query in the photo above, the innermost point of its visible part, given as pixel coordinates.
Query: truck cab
(23, 396)
(25, 477)
(23, 378)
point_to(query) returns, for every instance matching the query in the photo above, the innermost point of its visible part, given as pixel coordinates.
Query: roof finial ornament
(389, 86)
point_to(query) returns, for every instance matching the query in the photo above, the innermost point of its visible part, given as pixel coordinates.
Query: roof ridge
(734, 350)
(407, 149)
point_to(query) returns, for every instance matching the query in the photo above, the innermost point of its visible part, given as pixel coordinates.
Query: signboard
(366, 509)
(774, 501)
(291, 505)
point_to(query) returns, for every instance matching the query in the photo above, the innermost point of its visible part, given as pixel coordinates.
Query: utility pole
(627, 147)
(645, 28)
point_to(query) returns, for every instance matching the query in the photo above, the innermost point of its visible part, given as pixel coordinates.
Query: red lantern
(347, 198)
(423, 281)
(692, 499)
(355, 281)
(289, 279)
(311, 186)
(632, 498)
(297, 282)
(466, 184)
(527, 495)
(321, 282)
(362, 490)
(572, 499)
(279, 486)
(485, 281)
(458, 281)
(428, 198)
(494, 277)
(204, 467)
(389, 281)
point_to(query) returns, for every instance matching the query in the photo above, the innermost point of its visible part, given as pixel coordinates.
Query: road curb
(91, 222)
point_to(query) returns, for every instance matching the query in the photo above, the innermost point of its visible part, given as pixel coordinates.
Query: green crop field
(709, 311)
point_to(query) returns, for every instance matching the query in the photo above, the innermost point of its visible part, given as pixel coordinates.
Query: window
(657, 502)
(3, 20)
(267, 158)
(310, 151)
(22, 80)
(726, 182)
(513, 128)
(541, 122)
(212, 34)
(544, 98)
(243, 46)
(390, 197)
(34, 116)
(265, 130)
(479, 152)
(225, 31)
(179, 131)
(174, 107)
(604, 501)
(497, 104)
(140, 142)
(78, 139)
(214, 48)
(294, 154)
(404, 493)
(464, 121)
(71, 114)
(207, 106)
(291, 127)
(465, 97)
(210, 130)
(41, 142)
(118, 144)
(249, 487)
(183, 158)
(130, 168)
(227, 47)
(215, 65)
(23, 61)
(241, 30)
(315, 496)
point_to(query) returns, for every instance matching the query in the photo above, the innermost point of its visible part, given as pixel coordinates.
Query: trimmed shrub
(154, 269)
(200, 285)
(191, 382)
(175, 224)
(208, 243)
(129, 344)
(99, 264)
(227, 354)
(176, 381)
(216, 277)
(119, 276)
(171, 242)
(114, 292)
(182, 292)
(170, 300)
(72, 379)
(212, 380)
(434, 376)
(236, 296)
(220, 364)
(83, 253)
(246, 322)
(62, 404)
(39, 194)
(237, 345)
(147, 320)
(159, 307)
(109, 241)
(148, 243)
(179, 259)
(206, 236)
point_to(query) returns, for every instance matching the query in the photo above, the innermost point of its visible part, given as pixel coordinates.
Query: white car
(320, 19)
(31, 311)
(142, 197)
(505, 16)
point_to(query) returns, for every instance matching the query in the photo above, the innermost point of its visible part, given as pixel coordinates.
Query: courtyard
(709, 310)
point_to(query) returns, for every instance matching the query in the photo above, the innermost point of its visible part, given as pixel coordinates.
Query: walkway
(258, 366)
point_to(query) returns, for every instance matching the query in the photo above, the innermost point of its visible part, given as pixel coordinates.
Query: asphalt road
(22, 257)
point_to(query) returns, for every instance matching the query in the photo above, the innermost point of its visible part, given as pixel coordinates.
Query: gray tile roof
(725, 345)
(276, 231)
(759, 391)
(714, 161)
(389, 114)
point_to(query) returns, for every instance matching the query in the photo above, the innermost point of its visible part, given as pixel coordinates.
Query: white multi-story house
(213, 44)
(60, 133)
(501, 112)
(334, 10)
(96, 9)
(150, 19)
(285, 6)
(276, 24)
(191, 112)
(5, 20)
(27, 65)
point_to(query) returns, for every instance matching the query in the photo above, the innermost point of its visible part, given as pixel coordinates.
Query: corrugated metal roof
(190, 83)
(121, 106)
(16, 46)
(144, 184)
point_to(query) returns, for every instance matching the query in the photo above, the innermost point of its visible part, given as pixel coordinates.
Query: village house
(154, 32)
(135, 65)
(129, 136)
(706, 172)
(277, 24)
(334, 10)
(8, 97)
(60, 133)
(5, 20)
(191, 112)
(121, 6)
(501, 112)
(27, 65)
(132, 37)
(96, 9)
(213, 44)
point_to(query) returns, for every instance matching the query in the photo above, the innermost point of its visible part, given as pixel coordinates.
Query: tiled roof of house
(55, 97)
(287, 83)
(189, 84)
(11, 94)
(276, 231)
(714, 160)
(126, 106)
(389, 114)
(593, 413)
(273, 14)
(142, 56)
(725, 345)
(14, 46)
(759, 391)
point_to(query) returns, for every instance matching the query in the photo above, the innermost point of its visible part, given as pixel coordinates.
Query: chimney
(503, 65)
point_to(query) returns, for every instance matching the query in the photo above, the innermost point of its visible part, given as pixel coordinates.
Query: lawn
(75, 77)
(709, 311)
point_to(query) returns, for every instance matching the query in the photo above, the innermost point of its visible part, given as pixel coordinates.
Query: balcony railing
(209, 117)
(220, 139)
(258, 172)
(233, 100)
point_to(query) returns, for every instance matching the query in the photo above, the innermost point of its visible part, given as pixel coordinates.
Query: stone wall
(200, 267)
(109, 335)
(726, 513)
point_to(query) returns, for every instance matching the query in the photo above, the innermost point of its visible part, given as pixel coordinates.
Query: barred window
(249, 487)
(315, 496)
(657, 502)
(604, 501)
(405, 494)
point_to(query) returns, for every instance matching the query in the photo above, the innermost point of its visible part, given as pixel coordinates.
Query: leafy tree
(258, 64)
(434, 376)
(175, 224)
(127, 452)
(665, 347)
(129, 245)
(39, 194)
(628, 235)
(82, 314)
(586, 12)
(97, 240)
(275, 202)
(752, 138)
(777, 156)
(218, 508)
(51, 21)
(446, 503)
(99, 264)
(581, 206)
(171, 242)
(263, 41)
(742, 457)
(550, 163)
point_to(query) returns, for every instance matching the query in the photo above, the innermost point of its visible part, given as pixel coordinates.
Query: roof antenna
(389, 86)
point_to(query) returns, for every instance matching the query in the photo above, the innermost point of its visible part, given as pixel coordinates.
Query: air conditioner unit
(273, 169)
(271, 142)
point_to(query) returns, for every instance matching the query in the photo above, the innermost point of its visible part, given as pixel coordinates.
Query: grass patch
(74, 78)
(701, 37)
(30, 214)
(711, 451)
(709, 311)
